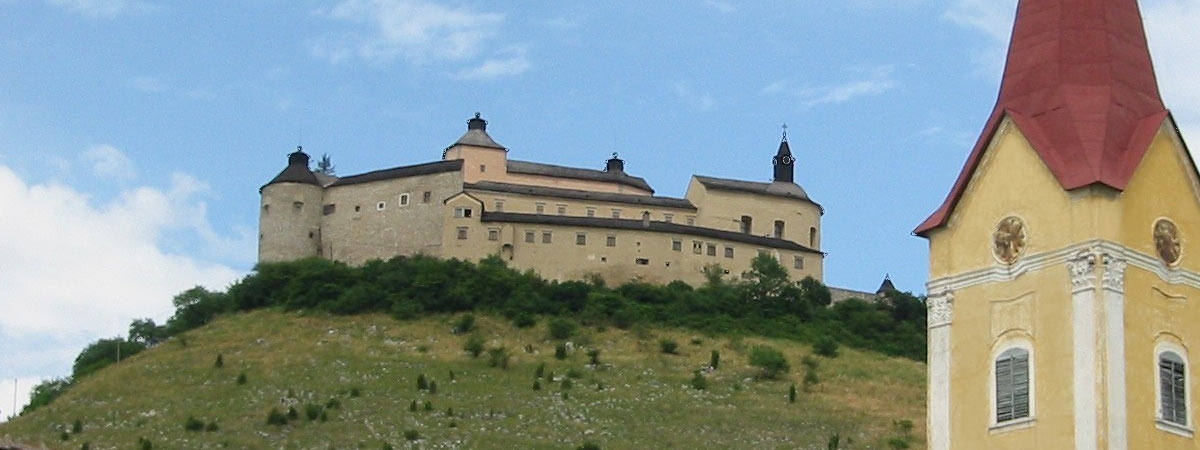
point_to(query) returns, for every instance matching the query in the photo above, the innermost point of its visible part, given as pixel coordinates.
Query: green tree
(325, 165)
(102, 353)
(45, 392)
(146, 332)
(770, 362)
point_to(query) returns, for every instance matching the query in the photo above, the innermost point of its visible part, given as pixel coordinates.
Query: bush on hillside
(770, 362)
(668, 346)
(560, 328)
(826, 346)
(474, 345)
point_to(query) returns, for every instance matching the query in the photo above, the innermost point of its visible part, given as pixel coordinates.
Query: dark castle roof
(477, 135)
(778, 188)
(634, 224)
(629, 199)
(453, 165)
(296, 171)
(619, 177)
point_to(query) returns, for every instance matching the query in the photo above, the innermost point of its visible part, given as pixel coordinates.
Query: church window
(668, 218)
(745, 224)
(426, 196)
(380, 206)
(529, 236)
(493, 234)
(403, 199)
(547, 237)
(1172, 388)
(712, 249)
(540, 208)
(676, 245)
(779, 229)
(328, 209)
(611, 241)
(462, 233)
(1012, 385)
(580, 238)
(797, 261)
(462, 212)
(729, 252)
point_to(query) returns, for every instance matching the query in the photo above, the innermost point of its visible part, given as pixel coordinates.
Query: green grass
(638, 398)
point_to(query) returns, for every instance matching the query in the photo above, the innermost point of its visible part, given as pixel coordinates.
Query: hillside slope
(637, 398)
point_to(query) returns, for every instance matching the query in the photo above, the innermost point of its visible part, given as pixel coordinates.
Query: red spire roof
(1080, 85)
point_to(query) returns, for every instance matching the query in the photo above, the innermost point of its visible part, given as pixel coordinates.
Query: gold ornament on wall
(1008, 241)
(1166, 241)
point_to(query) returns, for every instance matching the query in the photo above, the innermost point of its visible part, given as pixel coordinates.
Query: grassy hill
(362, 373)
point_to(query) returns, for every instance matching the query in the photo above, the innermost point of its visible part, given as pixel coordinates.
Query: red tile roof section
(1080, 85)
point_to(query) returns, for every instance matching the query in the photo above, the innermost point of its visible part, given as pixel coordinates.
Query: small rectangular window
(357, 208)
(798, 262)
(677, 245)
(380, 206)
(540, 208)
(493, 234)
(611, 241)
(591, 212)
(691, 220)
(403, 199)
(297, 205)
(580, 238)
(529, 236)
(462, 212)
(697, 247)
(642, 261)
(616, 213)
(712, 249)
(668, 218)
(499, 206)
(328, 209)
(547, 237)
(729, 252)
(462, 233)
(562, 210)
(425, 197)
(482, 168)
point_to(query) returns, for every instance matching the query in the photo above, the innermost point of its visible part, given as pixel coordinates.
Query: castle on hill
(562, 222)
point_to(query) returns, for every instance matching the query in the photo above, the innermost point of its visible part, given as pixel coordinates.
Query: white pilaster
(1114, 345)
(1082, 269)
(939, 318)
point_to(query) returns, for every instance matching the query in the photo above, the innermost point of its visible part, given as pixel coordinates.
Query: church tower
(1064, 291)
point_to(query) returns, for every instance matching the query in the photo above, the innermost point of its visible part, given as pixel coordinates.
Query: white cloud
(108, 162)
(514, 62)
(872, 81)
(1174, 38)
(416, 30)
(100, 9)
(150, 85)
(702, 101)
(75, 269)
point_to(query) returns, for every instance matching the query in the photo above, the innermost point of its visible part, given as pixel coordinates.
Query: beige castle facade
(562, 222)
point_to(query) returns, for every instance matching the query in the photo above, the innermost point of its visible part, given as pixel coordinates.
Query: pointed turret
(477, 135)
(297, 170)
(1080, 86)
(783, 161)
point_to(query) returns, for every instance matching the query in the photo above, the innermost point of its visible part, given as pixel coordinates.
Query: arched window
(812, 237)
(1172, 388)
(779, 229)
(1012, 385)
(746, 221)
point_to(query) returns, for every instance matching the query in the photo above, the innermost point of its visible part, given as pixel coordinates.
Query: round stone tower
(289, 221)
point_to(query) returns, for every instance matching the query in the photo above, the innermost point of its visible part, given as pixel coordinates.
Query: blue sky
(134, 135)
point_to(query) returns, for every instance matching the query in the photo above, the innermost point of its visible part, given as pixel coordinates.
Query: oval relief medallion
(1166, 241)
(1008, 241)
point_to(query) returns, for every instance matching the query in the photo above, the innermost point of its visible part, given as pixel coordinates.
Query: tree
(770, 362)
(325, 165)
(101, 354)
(146, 332)
(45, 392)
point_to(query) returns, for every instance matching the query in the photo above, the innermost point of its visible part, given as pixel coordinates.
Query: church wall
(723, 210)
(358, 230)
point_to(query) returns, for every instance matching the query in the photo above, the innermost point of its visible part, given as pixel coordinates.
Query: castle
(1064, 278)
(562, 222)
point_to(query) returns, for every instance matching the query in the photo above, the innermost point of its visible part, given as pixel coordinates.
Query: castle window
(403, 199)
(779, 229)
(529, 236)
(745, 224)
(1172, 388)
(697, 247)
(482, 168)
(580, 238)
(493, 234)
(616, 213)
(676, 245)
(540, 208)
(266, 209)
(642, 261)
(462, 233)
(712, 249)
(691, 220)
(462, 212)
(611, 241)
(645, 216)
(546, 237)
(812, 237)
(562, 210)
(499, 205)
(1012, 385)
(591, 212)
(668, 218)
(426, 196)
(328, 209)
(797, 261)
(729, 252)
(297, 205)
(380, 206)
(357, 208)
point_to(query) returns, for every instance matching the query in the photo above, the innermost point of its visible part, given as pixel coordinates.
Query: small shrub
(567, 383)
(770, 362)
(897, 444)
(560, 351)
(451, 374)
(826, 346)
(292, 414)
(449, 412)
(422, 383)
(714, 360)
(193, 424)
(452, 424)
(809, 362)
(312, 411)
(561, 328)
(594, 356)
(276, 418)
(428, 406)
(324, 417)
(537, 385)
(904, 427)
(697, 341)
(792, 393)
(574, 373)
(212, 426)
(355, 392)
(541, 370)
(412, 406)
(86, 446)
(387, 446)
(77, 427)
(422, 348)
(524, 320)
(834, 442)
(220, 361)
(810, 380)
(474, 345)
(412, 435)
(498, 357)
(465, 324)
(241, 378)
(432, 387)
(699, 382)
(145, 444)
(333, 403)
(588, 446)
(668, 346)
(64, 436)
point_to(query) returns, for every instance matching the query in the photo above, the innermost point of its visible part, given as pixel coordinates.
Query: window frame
(1011, 346)
(1161, 350)
(463, 212)
(530, 236)
(580, 238)
(403, 200)
(461, 233)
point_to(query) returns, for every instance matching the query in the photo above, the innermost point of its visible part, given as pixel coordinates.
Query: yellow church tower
(1064, 292)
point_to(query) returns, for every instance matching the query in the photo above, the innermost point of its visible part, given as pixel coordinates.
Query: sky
(134, 134)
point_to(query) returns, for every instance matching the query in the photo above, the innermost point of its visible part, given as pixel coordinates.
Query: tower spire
(783, 161)
(1080, 86)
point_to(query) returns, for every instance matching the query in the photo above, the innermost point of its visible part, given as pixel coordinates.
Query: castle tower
(478, 151)
(783, 161)
(289, 224)
(1064, 286)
